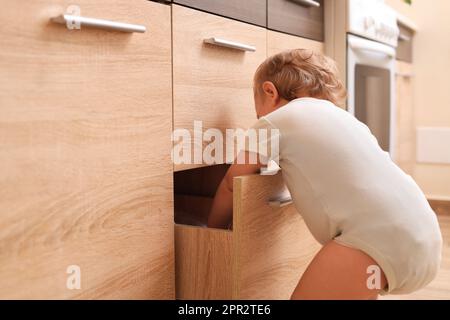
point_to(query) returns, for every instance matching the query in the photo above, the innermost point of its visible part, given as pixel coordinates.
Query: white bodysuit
(348, 189)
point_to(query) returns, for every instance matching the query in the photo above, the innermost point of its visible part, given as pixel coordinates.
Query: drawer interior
(194, 191)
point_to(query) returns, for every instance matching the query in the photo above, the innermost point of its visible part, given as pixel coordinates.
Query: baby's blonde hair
(302, 73)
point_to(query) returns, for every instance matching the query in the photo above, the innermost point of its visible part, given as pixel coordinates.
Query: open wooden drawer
(262, 257)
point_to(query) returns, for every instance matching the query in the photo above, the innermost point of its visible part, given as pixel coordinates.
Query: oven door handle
(364, 45)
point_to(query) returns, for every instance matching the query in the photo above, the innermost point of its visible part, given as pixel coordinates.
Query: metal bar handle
(280, 203)
(366, 45)
(229, 44)
(308, 3)
(268, 172)
(404, 37)
(98, 23)
(272, 169)
(405, 74)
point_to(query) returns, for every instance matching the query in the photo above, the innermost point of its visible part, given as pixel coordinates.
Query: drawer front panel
(278, 42)
(84, 182)
(294, 17)
(272, 246)
(212, 83)
(252, 11)
(203, 263)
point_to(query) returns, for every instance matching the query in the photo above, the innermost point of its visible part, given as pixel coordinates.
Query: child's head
(295, 74)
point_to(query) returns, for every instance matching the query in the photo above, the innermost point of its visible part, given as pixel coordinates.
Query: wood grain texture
(213, 84)
(271, 246)
(406, 130)
(335, 16)
(262, 258)
(440, 206)
(83, 181)
(294, 18)
(278, 42)
(252, 11)
(203, 263)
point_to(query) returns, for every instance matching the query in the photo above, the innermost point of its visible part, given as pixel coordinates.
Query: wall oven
(371, 40)
(371, 87)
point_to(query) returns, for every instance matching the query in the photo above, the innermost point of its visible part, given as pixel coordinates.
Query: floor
(439, 288)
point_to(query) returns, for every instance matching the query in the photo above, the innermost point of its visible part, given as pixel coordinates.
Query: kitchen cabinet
(86, 177)
(262, 257)
(87, 191)
(251, 11)
(267, 250)
(303, 18)
(212, 82)
(406, 138)
(278, 42)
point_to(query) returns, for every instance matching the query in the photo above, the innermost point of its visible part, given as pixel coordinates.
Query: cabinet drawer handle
(98, 23)
(229, 44)
(268, 172)
(307, 3)
(364, 45)
(271, 169)
(404, 74)
(403, 37)
(280, 203)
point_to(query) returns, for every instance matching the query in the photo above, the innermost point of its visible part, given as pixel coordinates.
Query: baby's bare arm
(222, 207)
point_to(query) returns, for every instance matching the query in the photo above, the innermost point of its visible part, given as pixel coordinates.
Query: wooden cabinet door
(278, 42)
(263, 257)
(204, 263)
(212, 83)
(271, 246)
(252, 11)
(85, 176)
(297, 17)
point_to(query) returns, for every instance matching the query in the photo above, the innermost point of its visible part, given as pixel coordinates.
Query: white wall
(432, 82)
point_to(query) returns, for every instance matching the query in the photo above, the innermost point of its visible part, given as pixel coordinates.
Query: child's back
(348, 189)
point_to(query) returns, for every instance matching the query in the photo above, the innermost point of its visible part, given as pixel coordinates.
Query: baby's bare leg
(338, 272)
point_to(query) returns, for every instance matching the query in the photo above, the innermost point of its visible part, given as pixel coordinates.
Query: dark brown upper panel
(251, 11)
(297, 17)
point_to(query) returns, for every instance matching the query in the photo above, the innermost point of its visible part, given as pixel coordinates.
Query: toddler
(365, 211)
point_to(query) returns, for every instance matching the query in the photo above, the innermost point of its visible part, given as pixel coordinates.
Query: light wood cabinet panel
(406, 137)
(278, 42)
(263, 257)
(83, 180)
(213, 84)
(203, 263)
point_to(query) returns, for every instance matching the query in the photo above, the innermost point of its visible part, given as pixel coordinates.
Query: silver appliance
(372, 36)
